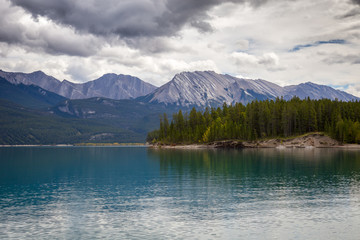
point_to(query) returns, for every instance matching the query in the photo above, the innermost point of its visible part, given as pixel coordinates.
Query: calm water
(140, 193)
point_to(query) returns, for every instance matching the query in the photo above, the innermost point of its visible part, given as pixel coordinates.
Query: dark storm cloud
(82, 27)
(49, 40)
(202, 26)
(128, 18)
(45, 41)
(353, 12)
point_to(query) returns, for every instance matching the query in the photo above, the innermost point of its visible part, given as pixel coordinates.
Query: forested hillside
(262, 119)
(19, 125)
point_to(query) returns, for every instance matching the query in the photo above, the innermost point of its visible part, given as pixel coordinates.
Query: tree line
(262, 119)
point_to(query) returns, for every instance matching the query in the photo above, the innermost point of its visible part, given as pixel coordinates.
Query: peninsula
(268, 123)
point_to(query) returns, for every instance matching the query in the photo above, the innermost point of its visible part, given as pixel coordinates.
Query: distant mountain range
(186, 89)
(35, 107)
(211, 89)
(109, 85)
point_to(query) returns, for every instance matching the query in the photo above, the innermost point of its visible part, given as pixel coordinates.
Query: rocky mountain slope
(315, 91)
(109, 85)
(30, 96)
(186, 89)
(211, 89)
(197, 88)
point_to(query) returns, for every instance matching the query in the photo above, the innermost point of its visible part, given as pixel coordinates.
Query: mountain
(37, 78)
(315, 91)
(197, 88)
(109, 85)
(127, 114)
(28, 95)
(79, 120)
(117, 87)
(20, 125)
(211, 89)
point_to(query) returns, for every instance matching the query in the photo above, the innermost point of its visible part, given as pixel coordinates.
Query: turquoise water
(141, 193)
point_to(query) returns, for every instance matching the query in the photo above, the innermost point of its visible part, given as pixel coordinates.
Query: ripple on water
(141, 194)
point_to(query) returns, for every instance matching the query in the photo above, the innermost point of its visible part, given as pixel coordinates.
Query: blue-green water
(141, 193)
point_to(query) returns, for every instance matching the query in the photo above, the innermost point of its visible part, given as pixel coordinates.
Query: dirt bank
(314, 140)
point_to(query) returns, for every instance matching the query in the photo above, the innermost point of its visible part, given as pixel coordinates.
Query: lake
(142, 193)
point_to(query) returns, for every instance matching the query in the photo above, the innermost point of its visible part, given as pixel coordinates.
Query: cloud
(180, 66)
(334, 41)
(242, 44)
(42, 35)
(342, 58)
(82, 28)
(79, 71)
(202, 26)
(127, 18)
(352, 13)
(242, 58)
(267, 60)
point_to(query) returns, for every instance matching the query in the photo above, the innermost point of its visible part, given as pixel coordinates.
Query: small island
(300, 123)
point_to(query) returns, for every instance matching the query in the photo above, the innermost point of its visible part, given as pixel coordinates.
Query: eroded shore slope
(313, 140)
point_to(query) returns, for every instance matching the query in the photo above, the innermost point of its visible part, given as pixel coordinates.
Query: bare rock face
(109, 86)
(315, 91)
(37, 78)
(186, 89)
(211, 89)
(313, 140)
(117, 87)
(194, 88)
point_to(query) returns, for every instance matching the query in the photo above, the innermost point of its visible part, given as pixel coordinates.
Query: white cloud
(267, 61)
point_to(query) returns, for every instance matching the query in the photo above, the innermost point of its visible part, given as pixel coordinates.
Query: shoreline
(80, 145)
(200, 146)
(308, 141)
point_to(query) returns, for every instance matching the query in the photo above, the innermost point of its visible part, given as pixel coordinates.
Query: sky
(283, 41)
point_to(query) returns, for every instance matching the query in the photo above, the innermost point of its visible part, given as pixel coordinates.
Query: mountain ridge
(208, 88)
(30, 96)
(120, 87)
(186, 89)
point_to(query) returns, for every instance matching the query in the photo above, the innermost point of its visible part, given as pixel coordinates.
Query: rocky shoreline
(314, 140)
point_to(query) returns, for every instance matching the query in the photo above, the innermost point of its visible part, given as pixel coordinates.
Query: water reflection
(81, 193)
(292, 177)
(90, 165)
(264, 162)
(272, 191)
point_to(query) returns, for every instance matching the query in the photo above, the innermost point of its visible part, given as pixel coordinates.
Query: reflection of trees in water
(42, 164)
(268, 166)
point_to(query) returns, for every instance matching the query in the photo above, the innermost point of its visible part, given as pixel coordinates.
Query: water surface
(141, 193)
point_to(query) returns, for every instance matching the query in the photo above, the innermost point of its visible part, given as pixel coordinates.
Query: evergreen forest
(261, 120)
